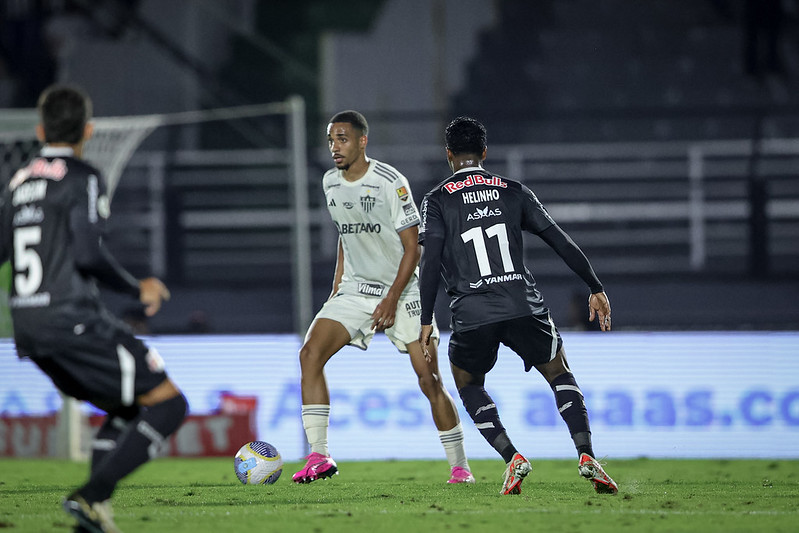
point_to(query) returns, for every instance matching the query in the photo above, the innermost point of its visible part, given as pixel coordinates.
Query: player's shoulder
(330, 177)
(58, 168)
(503, 181)
(80, 173)
(84, 167)
(438, 188)
(386, 171)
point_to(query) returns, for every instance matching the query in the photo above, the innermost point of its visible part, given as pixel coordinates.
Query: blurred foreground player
(472, 225)
(53, 217)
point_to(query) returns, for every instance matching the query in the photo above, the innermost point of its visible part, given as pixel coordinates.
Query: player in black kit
(472, 226)
(52, 222)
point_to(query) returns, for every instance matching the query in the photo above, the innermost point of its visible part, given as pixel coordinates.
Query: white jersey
(369, 214)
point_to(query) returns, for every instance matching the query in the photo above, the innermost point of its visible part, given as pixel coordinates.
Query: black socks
(571, 407)
(481, 408)
(140, 441)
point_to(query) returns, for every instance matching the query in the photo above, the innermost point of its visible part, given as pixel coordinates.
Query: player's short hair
(465, 135)
(357, 120)
(64, 111)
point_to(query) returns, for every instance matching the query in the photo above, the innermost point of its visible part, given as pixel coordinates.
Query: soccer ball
(258, 463)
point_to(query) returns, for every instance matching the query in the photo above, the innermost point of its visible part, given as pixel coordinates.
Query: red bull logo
(475, 179)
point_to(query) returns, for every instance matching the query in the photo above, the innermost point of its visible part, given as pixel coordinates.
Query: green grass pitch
(203, 495)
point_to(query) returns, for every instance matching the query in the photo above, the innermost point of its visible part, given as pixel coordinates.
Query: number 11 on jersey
(475, 236)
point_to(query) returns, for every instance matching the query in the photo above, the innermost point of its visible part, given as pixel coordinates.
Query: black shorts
(534, 338)
(98, 360)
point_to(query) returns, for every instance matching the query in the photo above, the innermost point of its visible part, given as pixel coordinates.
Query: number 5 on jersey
(26, 259)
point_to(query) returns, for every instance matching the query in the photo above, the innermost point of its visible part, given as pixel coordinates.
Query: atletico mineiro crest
(367, 203)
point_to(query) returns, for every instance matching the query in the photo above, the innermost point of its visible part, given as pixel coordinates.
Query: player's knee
(306, 355)
(553, 369)
(165, 391)
(431, 384)
(309, 358)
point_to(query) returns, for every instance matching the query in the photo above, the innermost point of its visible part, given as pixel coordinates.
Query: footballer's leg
(484, 413)
(95, 517)
(325, 337)
(571, 405)
(118, 370)
(116, 423)
(162, 411)
(445, 414)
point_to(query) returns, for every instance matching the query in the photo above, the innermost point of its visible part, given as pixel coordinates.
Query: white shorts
(355, 314)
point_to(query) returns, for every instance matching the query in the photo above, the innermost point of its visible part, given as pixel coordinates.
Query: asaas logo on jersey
(29, 214)
(484, 213)
(475, 179)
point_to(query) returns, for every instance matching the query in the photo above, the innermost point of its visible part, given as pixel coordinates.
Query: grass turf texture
(203, 495)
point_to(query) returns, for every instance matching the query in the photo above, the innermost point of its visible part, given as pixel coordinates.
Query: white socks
(452, 440)
(315, 419)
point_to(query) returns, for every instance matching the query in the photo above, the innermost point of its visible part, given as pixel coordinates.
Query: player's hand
(384, 314)
(424, 340)
(152, 292)
(599, 306)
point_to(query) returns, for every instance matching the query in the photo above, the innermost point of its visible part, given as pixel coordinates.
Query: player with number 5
(52, 222)
(471, 230)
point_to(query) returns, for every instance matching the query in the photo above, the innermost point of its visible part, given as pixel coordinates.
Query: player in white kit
(375, 288)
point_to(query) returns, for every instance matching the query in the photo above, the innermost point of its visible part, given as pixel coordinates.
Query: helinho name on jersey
(474, 197)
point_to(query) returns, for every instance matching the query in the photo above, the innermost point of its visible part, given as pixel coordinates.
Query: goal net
(117, 139)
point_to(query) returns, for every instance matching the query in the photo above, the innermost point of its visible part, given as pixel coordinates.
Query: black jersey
(54, 212)
(480, 218)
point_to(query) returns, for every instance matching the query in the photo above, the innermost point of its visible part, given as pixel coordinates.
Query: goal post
(114, 143)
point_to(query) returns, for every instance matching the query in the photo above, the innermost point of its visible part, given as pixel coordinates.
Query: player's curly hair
(352, 117)
(465, 135)
(64, 111)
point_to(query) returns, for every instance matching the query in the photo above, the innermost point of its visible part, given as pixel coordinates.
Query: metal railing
(638, 208)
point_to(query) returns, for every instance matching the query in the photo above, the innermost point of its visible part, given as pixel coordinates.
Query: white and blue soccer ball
(258, 463)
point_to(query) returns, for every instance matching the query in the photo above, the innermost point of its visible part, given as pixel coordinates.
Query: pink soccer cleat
(318, 466)
(460, 475)
(591, 470)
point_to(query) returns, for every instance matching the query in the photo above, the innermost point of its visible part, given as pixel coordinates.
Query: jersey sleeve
(432, 222)
(87, 220)
(403, 210)
(535, 217)
(431, 236)
(572, 255)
